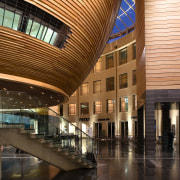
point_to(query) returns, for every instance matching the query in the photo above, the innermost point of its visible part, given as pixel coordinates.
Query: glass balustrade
(45, 122)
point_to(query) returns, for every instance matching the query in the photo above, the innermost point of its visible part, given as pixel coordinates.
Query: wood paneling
(162, 22)
(140, 50)
(91, 23)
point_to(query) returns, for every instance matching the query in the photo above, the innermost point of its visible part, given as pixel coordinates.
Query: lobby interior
(95, 84)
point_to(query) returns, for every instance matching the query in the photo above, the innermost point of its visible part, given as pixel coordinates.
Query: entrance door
(98, 130)
(124, 129)
(111, 129)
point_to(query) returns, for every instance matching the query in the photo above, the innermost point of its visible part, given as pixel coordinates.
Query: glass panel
(123, 81)
(40, 32)
(123, 56)
(43, 33)
(34, 29)
(48, 35)
(84, 108)
(1, 15)
(109, 61)
(16, 22)
(53, 38)
(97, 107)
(29, 26)
(8, 19)
(110, 84)
(124, 104)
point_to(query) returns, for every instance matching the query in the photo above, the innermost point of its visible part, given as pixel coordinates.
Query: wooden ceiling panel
(91, 23)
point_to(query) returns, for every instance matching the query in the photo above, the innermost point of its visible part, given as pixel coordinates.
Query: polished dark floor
(116, 161)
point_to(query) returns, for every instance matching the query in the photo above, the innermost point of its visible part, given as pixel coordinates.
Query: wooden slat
(91, 23)
(163, 48)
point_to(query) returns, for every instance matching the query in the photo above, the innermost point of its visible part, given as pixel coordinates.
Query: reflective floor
(115, 161)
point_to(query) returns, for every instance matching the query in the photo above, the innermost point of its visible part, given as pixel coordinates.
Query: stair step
(36, 136)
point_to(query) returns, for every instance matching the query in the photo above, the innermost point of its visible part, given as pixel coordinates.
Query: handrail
(48, 123)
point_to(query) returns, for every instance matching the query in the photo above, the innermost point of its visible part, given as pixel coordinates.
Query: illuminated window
(134, 50)
(96, 87)
(110, 106)
(134, 77)
(97, 107)
(110, 84)
(97, 67)
(84, 89)
(123, 104)
(84, 108)
(71, 109)
(9, 19)
(109, 61)
(134, 102)
(123, 56)
(123, 81)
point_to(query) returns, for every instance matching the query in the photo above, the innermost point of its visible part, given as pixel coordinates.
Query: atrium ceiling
(125, 21)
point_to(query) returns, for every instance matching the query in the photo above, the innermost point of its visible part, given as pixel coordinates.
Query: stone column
(150, 131)
(140, 137)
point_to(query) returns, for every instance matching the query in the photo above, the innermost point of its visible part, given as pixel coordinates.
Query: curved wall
(38, 63)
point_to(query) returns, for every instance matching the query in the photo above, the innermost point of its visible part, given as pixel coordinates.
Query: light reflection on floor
(116, 161)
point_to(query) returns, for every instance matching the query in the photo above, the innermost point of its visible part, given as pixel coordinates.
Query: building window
(123, 104)
(96, 87)
(84, 89)
(23, 17)
(134, 77)
(97, 107)
(97, 67)
(110, 106)
(123, 56)
(134, 50)
(109, 61)
(71, 109)
(74, 94)
(110, 84)
(123, 81)
(134, 102)
(84, 108)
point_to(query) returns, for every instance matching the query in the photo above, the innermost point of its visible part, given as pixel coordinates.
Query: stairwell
(46, 149)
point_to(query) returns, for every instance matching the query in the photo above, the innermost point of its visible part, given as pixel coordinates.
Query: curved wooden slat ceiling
(91, 23)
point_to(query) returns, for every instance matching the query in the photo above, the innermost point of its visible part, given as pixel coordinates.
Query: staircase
(55, 141)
